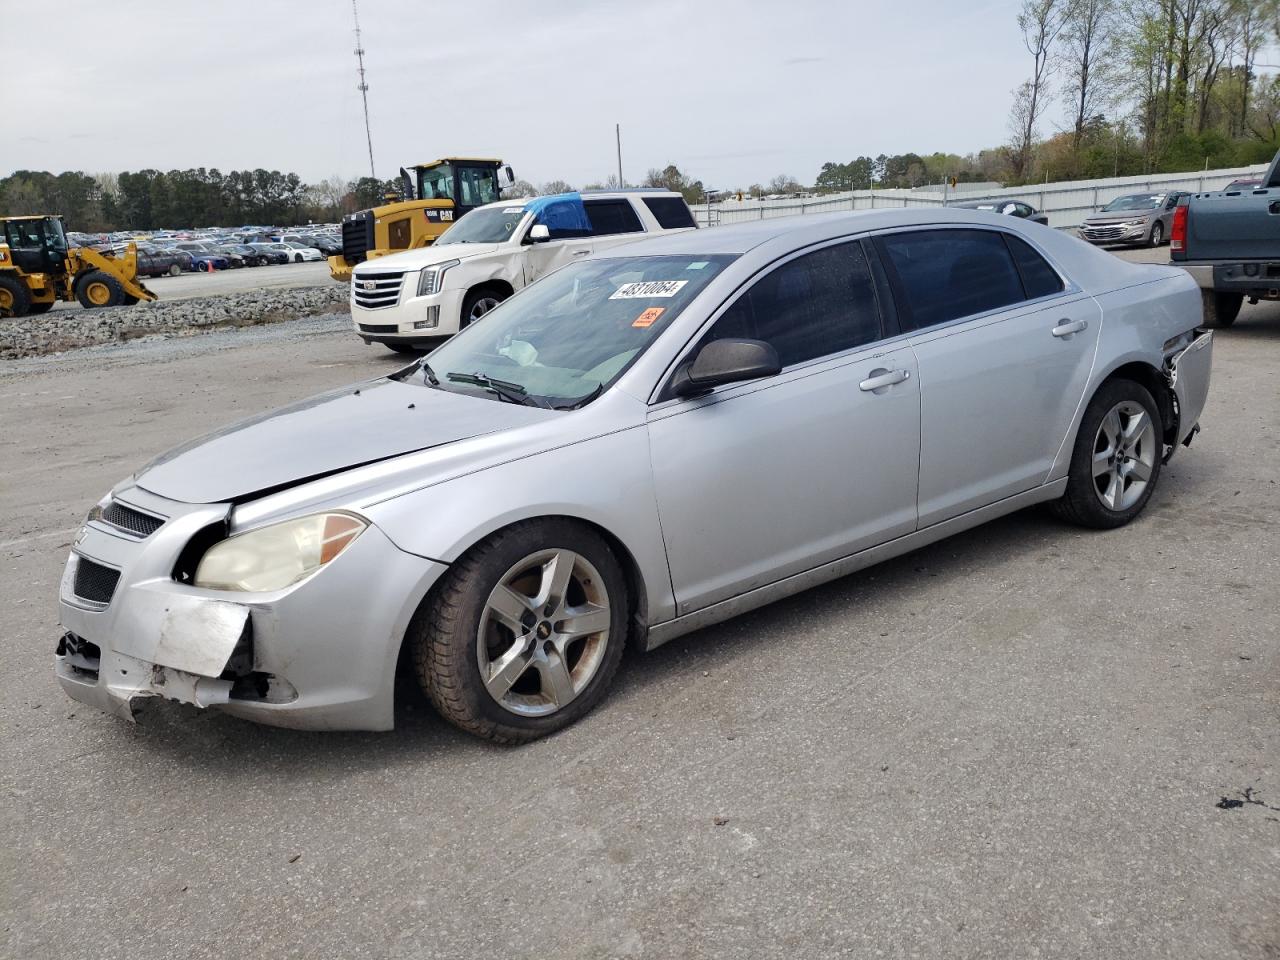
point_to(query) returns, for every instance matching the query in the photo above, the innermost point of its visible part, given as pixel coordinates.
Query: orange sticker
(647, 318)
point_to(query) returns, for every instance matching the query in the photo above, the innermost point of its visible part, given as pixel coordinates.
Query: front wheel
(1157, 234)
(1116, 460)
(97, 288)
(297, 258)
(524, 633)
(477, 303)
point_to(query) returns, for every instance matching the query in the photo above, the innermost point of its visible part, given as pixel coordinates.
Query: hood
(327, 434)
(426, 256)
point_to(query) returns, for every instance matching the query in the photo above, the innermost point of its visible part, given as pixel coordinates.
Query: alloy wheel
(1124, 455)
(543, 632)
(481, 307)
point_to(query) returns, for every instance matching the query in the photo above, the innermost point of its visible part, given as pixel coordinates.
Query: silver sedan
(641, 444)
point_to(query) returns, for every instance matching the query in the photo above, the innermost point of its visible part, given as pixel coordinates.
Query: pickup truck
(409, 301)
(1230, 243)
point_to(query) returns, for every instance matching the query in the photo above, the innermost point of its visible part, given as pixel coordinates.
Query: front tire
(1157, 234)
(524, 633)
(477, 303)
(97, 288)
(1116, 460)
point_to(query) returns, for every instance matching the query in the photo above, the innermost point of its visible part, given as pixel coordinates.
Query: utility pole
(617, 132)
(363, 88)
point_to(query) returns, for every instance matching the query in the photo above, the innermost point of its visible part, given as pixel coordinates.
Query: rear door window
(943, 275)
(1038, 278)
(611, 217)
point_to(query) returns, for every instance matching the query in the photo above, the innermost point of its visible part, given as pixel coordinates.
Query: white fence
(1066, 203)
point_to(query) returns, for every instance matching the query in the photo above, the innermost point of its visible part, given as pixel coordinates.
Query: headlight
(432, 278)
(272, 558)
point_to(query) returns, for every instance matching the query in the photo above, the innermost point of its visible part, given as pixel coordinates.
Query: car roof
(738, 238)
(588, 195)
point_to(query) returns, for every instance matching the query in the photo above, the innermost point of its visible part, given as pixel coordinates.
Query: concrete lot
(1012, 744)
(187, 286)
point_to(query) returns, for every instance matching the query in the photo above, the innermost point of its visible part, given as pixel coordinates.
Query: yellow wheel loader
(37, 269)
(434, 195)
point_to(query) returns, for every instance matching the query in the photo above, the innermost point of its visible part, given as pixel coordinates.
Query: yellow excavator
(37, 269)
(432, 196)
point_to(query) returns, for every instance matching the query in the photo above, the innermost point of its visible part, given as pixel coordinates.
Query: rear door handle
(1067, 327)
(881, 378)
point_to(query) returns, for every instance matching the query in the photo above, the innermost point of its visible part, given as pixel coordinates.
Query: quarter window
(815, 305)
(672, 213)
(948, 274)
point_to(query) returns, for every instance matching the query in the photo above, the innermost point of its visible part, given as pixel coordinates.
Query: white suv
(408, 300)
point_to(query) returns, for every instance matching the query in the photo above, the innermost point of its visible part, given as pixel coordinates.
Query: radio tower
(363, 88)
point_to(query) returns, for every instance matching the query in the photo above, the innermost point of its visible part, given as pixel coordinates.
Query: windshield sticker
(648, 288)
(701, 264)
(647, 318)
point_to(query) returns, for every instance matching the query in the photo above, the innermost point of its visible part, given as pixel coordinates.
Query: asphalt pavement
(187, 286)
(1025, 741)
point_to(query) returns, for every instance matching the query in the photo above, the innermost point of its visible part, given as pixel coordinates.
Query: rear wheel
(15, 300)
(1221, 309)
(1117, 458)
(175, 269)
(524, 633)
(1157, 234)
(97, 288)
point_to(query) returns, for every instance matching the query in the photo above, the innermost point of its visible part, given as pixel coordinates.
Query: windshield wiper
(513, 392)
(582, 401)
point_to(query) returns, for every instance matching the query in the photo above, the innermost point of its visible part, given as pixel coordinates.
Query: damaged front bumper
(320, 654)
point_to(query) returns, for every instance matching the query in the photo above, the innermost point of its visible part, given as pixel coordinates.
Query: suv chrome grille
(374, 290)
(94, 582)
(135, 522)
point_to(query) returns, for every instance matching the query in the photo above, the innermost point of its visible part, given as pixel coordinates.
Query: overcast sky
(732, 92)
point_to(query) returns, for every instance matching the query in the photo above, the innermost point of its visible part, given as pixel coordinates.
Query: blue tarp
(562, 213)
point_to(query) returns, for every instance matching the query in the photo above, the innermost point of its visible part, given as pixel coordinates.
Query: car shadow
(228, 747)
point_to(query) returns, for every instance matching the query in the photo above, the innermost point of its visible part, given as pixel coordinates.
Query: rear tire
(1116, 459)
(175, 269)
(1221, 309)
(15, 299)
(560, 586)
(97, 288)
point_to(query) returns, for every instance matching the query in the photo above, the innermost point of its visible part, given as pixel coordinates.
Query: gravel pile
(66, 329)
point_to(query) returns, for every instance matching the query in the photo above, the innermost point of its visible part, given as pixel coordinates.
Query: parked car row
(171, 253)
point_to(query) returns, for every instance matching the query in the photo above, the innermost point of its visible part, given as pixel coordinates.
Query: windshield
(568, 336)
(1142, 201)
(488, 225)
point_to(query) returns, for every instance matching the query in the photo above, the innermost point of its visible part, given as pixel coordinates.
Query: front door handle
(581, 253)
(881, 378)
(1067, 327)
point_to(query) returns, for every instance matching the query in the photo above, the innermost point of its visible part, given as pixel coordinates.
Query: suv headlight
(274, 557)
(432, 278)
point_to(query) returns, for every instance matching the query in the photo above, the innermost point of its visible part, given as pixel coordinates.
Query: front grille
(1104, 233)
(357, 237)
(132, 521)
(379, 328)
(374, 290)
(94, 582)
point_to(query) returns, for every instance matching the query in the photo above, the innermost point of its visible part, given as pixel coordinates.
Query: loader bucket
(124, 269)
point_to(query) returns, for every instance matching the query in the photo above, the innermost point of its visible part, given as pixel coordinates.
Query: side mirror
(506, 177)
(539, 233)
(726, 361)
